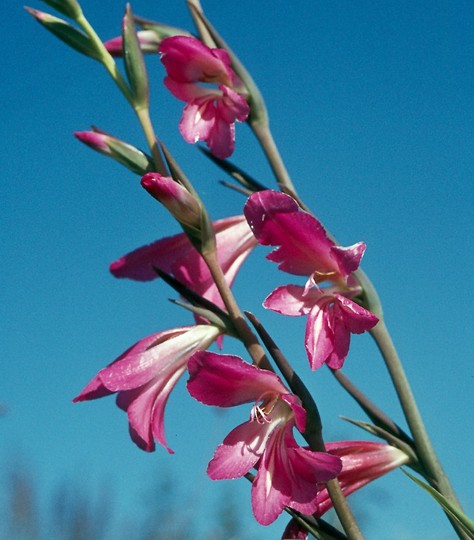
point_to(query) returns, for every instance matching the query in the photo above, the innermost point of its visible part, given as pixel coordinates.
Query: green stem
(142, 113)
(243, 330)
(265, 138)
(424, 447)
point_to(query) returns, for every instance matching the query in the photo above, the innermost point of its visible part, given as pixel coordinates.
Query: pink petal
(226, 381)
(291, 300)
(362, 462)
(148, 358)
(221, 138)
(341, 342)
(277, 220)
(177, 256)
(349, 258)
(310, 470)
(356, 318)
(186, 59)
(319, 337)
(232, 106)
(271, 488)
(239, 452)
(93, 390)
(191, 92)
(198, 121)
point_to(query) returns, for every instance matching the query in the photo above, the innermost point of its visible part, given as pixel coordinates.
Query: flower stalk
(424, 448)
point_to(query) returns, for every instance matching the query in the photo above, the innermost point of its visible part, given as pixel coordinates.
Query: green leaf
(134, 61)
(70, 8)
(453, 511)
(66, 33)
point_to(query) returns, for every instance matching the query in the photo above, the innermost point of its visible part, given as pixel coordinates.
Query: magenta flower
(176, 255)
(303, 248)
(288, 475)
(362, 462)
(144, 376)
(210, 112)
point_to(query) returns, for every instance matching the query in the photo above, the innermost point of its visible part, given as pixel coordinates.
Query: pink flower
(211, 112)
(288, 475)
(144, 376)
(362, 462)
(303, 248)
(176, 255)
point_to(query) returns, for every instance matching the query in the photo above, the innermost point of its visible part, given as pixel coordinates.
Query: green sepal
(66, 33)
(70, 8)
(202, 238)
(453, 511)
(130, 156)
(134, 61)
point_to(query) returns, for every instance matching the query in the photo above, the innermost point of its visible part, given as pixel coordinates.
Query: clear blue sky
(371, 104)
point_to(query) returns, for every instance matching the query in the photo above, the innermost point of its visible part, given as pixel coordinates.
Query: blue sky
(371, 106)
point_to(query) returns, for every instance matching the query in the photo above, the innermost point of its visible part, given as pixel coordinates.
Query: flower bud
(66, 32)
(147, 39)
(126, 154)
(177, 200)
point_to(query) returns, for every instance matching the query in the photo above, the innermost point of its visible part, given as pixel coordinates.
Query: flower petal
(356, 318)
(291, 300)
(277, 220)
(226, 381)
(186, 59)
(239, 452)
(177, 256)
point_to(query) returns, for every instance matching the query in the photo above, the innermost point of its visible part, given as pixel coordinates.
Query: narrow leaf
(134, 61)
(453, 511)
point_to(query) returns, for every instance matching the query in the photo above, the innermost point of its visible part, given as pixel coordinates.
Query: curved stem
(265, 138)
(424, 447)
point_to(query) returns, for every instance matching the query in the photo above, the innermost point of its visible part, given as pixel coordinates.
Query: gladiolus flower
(211, 112)
(176, 255)
(362, 462)
(288, 475)
(144, 376)
(303, 248)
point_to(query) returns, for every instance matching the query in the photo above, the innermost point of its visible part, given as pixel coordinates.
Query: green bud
(66, 32)
(70, 8)
(126, 154)
(134, 61)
